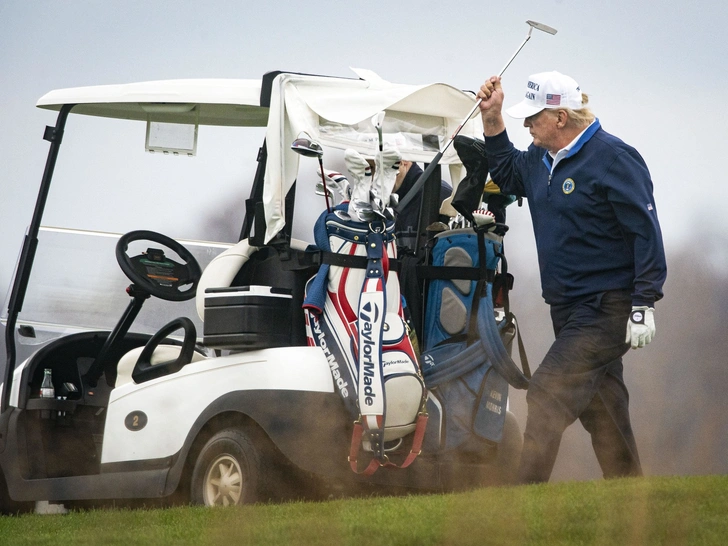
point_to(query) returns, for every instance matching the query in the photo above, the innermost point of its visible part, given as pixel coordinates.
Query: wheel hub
(223, 482)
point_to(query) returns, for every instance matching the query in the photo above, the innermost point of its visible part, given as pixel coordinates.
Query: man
(405, 226)
(601, 260)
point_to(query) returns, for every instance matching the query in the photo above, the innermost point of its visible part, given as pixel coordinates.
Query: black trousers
(581, 378)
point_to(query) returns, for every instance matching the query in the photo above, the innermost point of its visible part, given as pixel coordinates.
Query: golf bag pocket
(491, 406)
(451, 294)
(403, 390)
(472, 405)
(472, 395)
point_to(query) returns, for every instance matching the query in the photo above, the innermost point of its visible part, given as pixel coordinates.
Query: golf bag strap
(480, 287)
(510, 317)
(356, 437)
(492, 343)
(454, 367)
(521, 348)
(294, 259)
(415, 449)
(417, 440)
(489, 346)
(505, 286)
(351, 261)
(472, 334)
(370, 320)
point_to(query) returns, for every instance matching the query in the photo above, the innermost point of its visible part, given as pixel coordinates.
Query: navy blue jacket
(594, 218)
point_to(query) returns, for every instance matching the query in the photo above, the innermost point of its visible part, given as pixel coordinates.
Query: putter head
(540, 26)
(307, 147)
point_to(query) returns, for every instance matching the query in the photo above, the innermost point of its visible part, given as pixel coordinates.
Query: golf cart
(207, 386)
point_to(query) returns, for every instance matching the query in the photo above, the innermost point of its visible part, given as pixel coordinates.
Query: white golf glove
(640, 326)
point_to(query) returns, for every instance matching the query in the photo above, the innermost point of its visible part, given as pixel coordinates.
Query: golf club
(322, 190)
(377, 121)
(336, 181)
(431, 167)
(305, 146)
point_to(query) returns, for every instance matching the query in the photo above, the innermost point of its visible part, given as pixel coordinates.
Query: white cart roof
(334, 111)
(217, 102)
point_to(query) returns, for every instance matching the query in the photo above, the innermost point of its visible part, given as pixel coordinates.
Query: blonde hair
(583, 116)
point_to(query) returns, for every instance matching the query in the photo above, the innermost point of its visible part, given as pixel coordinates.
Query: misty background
(654, 72)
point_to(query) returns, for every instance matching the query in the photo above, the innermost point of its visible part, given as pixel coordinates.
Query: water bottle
(46, 388)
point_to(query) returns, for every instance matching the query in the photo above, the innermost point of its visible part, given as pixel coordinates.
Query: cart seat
(163, 353)
(223, 269)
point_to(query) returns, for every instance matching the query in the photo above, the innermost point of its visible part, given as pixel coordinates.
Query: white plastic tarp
(336, 112)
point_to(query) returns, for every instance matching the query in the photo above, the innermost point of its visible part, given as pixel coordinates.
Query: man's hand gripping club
(491, 103)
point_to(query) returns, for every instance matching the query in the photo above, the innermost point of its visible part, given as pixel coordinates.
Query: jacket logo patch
(568, 186)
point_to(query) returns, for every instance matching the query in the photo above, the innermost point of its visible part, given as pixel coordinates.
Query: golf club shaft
(323, 180)
(380, 161)
(421, 180)
(477, 103)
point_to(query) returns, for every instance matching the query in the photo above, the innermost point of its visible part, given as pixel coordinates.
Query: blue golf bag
(466, 359)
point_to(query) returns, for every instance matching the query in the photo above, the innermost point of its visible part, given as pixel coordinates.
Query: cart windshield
(76, 284)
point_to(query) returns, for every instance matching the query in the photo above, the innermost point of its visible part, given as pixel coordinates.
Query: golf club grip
(420, 182)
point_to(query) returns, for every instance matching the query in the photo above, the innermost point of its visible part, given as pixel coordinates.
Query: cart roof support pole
(20, 283)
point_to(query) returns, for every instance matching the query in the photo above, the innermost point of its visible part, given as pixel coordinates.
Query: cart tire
(509, 451)
(227, 471)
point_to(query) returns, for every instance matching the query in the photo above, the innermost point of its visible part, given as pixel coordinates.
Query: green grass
(675, 510)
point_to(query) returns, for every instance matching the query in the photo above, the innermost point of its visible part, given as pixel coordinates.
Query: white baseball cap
(547, 90)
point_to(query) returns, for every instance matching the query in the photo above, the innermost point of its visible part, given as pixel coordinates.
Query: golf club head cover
(640, 326)
(482, 217)
(470, 189)
(388, 161)
(476, 186)
(337, 181)
(361, 185)
(497, 203)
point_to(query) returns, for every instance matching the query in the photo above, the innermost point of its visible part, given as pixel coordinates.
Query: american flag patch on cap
(553, 100)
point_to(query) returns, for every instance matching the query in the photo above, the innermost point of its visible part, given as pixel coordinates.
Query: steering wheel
(156, 273)
(144, 370)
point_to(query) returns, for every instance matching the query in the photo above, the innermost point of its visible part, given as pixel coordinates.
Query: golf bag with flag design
(354, 313)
